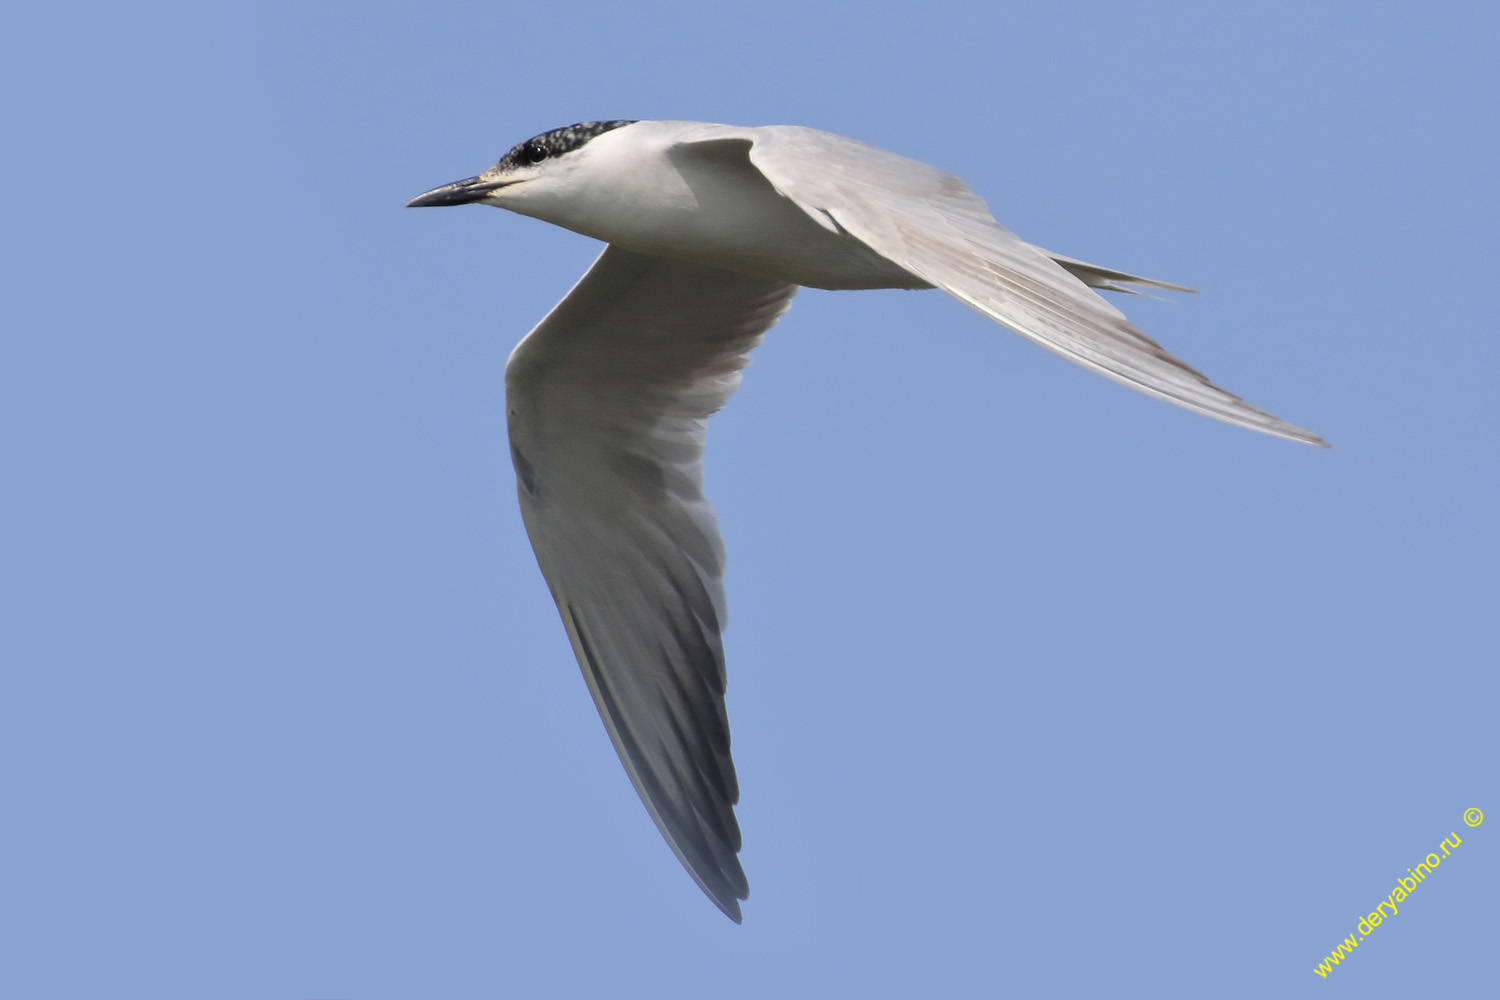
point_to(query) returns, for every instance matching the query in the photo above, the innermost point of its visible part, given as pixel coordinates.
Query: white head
(527, 179)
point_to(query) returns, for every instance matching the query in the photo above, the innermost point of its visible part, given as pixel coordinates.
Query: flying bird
(710, 231)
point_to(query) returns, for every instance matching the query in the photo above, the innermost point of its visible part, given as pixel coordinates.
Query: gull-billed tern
(710, 231)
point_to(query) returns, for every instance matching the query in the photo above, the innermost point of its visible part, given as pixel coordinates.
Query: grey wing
(608, 401)
(929, 223)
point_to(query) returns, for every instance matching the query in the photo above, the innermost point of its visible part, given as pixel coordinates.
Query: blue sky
(1039, 687)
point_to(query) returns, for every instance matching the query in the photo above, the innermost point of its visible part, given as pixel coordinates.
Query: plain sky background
(1039, 687)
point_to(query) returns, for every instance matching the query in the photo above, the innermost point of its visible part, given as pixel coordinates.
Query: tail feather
(1110, 280)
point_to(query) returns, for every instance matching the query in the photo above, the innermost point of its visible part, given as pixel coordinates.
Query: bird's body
(711, 230)
(687, 191)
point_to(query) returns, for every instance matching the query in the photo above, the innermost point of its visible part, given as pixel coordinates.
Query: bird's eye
(534, 153)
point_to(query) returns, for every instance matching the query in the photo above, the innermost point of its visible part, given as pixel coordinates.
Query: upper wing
(929, 223)
(608, 401)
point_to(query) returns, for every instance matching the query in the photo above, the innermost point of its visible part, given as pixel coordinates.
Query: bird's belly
(728, 216)
(806, 255)
(780, 242)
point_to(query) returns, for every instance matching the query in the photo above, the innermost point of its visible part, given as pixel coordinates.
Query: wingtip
(1301, 435)
(1298, 435)
(730, 907)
